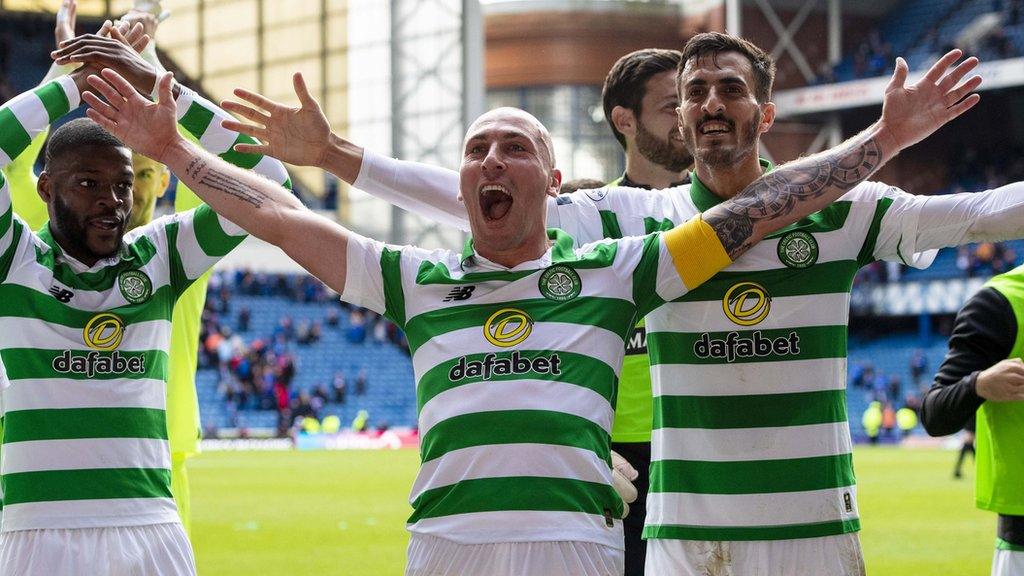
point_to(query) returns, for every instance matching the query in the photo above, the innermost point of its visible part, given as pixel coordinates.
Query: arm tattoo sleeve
(213, 178)
(780, 193)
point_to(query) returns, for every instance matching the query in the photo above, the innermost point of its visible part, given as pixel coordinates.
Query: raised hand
(912, 113)
(1003, 382)
(120, 52)
(146, 127)
(298, 136)
(66, 17)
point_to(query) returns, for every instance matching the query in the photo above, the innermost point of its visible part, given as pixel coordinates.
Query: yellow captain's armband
(696, 251)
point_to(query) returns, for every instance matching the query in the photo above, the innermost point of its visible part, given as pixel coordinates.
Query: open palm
(297, 135)
(146, 127)
(914, 112)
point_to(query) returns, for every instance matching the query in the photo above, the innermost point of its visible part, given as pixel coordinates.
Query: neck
(728, 182)
(87, 258)
(531, 249)
(643, 171)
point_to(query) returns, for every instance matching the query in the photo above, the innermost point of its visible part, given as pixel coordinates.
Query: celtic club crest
(798, 249)
(135, 286)
(560, 283)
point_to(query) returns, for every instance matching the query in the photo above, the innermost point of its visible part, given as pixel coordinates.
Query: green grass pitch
(343, 513)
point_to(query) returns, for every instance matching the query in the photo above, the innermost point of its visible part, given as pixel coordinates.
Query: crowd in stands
(889, 391)
(256, 371)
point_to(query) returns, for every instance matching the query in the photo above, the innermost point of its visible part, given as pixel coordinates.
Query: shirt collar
(59, 255)
(705, 199)
(561, 250)
(626, 181)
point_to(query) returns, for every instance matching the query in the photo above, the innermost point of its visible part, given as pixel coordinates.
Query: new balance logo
(61, 294)
(459, 293)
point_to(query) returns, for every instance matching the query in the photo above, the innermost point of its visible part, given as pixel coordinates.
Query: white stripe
(71, 91)
(748, 444)
(8, 237)
(194, 259)
(31, 113)
(216, 139)
(32, 333)
(592, 341)
(85, 453)
(492, 396)
(272, 169)
(833, 246)
(783, 312)
(4, 161)
(601, 282)
(229, 227)
(747, 378)
(750, 510)
(89, 513)
(535, 460)
(60, 393)
(521, 526)
(669, 284)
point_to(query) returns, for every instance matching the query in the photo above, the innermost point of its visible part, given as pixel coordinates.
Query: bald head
(519, 120)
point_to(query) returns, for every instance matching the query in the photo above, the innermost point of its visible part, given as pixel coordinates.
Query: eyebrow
(507, 135)
(725, 80)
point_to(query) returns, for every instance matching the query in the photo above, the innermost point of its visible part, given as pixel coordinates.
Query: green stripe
(753, 411)
(138, 254)
(196, 120)
(212, 238)
(826, 278)
(514, 427)
(54, 100)
(735, 533)
(575, 369)
(82, 423)
(7, 258)
(13, 137)
(611, 314)
(652, 225)
(1004, 545)
(645, 278)
(18, 301)
(812, 342)
(24, 363)
(179, 279)
(394, 296)
(7, 217)
(92, 484)
(517, 493)
(867, 250)
(752, 477)
(240, 159)
(829, 219)
(610, 224)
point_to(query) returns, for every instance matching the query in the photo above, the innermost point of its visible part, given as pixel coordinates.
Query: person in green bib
(640, 100)
(983, 374)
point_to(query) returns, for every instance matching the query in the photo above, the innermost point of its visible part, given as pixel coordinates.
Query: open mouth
(715, 127)
(106, 224)
(495, 201)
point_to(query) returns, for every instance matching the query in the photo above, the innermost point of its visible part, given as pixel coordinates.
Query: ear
(767, 117)
(555, 184)
(624, 120)
(165, 181)
(679, 120)
(43, 187)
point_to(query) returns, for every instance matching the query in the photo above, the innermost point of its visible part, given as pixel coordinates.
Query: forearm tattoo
(209, 176)
(779, 193)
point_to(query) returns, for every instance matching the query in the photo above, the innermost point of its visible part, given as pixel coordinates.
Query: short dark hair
(714, 43)
(626, 83)
(76, 134)
(580, 184)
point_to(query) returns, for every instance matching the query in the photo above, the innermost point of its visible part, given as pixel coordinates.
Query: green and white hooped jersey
(516, 373)
(750, 438)
(85, 349)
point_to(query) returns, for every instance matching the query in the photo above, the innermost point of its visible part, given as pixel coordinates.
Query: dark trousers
(639, 455)
(1009, 528)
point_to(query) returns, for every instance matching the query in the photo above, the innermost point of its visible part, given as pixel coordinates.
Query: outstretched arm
(302, 136)
(909, 115)
(254, 203)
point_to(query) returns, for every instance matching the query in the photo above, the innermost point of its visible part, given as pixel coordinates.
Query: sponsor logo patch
(746, 303)
(508, 327)
(756, 345)
(459, 293)
(103, 334)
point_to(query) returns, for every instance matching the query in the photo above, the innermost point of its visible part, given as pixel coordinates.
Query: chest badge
(560, 283)
(135, 286)
(798, 249)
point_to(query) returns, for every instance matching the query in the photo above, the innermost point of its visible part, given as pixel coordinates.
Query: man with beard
(751, 450)
(86, 322)
(516, 378)
(640, 101)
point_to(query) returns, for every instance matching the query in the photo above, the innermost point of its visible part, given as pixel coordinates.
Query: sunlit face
(657, 133)
(506, 175)
(151, 180)
(719, 116)
(89, 197)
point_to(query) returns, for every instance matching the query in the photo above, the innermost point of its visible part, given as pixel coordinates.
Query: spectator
(356, 326)
(333, 317)
(918, 366)
(338, 386)
(361, 382)
(244, 319)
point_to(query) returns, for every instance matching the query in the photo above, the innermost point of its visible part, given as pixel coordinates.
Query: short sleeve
(364, 274)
